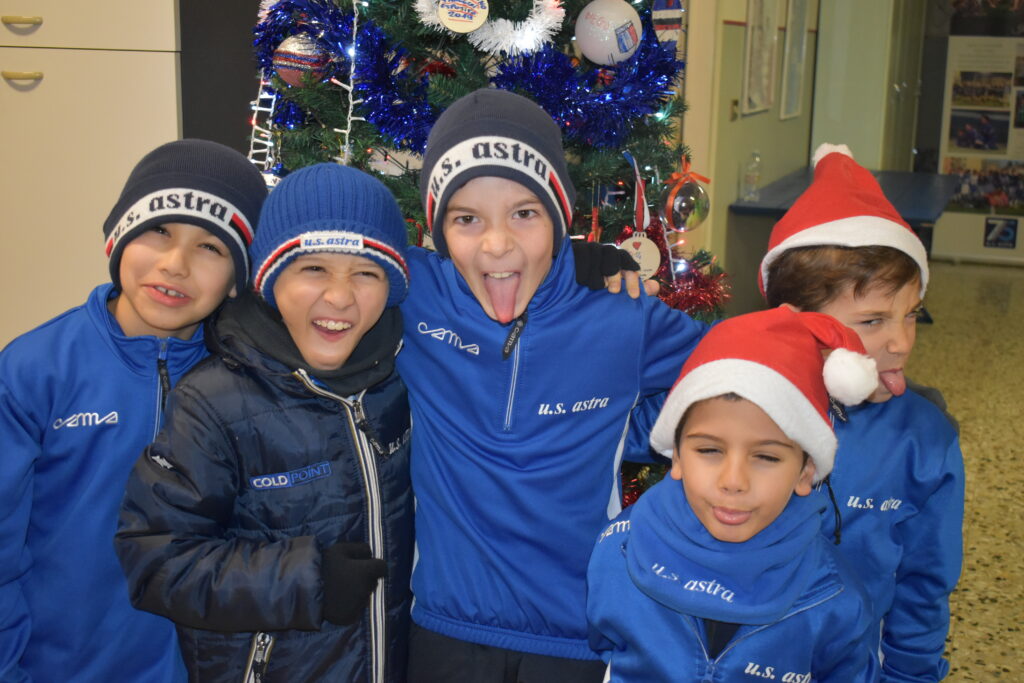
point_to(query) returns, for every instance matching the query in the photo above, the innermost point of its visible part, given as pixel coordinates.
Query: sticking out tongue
(894, 381)
(502, 291)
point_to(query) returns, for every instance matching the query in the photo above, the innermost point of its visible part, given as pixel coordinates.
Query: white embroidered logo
(86, 420)
(448, 337)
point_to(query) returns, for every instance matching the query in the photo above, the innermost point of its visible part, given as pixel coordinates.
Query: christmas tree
(362, 82)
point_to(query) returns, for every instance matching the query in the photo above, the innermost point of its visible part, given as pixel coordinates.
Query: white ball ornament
(608, 31)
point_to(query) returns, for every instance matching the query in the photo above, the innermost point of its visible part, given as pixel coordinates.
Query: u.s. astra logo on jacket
(284, 480)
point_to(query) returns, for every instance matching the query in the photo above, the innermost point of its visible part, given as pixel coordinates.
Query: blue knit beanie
(192, 181)
(492, 132)
(330, 208)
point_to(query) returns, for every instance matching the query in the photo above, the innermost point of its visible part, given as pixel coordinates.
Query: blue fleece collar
(673, 559)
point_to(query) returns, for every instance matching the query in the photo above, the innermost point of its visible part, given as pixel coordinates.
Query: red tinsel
(702, 289)
(696, 291)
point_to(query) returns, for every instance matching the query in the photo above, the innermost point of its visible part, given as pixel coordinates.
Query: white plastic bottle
(750, 178)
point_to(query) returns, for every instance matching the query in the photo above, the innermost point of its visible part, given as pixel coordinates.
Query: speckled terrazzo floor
(974, 352)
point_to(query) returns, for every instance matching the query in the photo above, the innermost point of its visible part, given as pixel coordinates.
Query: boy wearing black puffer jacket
(272, 517)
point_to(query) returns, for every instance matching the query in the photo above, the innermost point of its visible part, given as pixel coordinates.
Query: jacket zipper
(163, 388)
(511, 348)
(259, 658)
(712, 664)
(367, 444)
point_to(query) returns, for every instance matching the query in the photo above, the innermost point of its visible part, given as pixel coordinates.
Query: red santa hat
(843, 207)
(774, 359)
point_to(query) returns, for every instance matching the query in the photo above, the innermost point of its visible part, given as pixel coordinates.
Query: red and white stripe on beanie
(774, 359)
(844, 207)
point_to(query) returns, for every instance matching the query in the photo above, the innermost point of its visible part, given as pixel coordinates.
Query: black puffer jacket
(257, 470)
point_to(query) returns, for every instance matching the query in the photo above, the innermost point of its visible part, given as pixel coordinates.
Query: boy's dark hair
(728, 397)
(811, 277)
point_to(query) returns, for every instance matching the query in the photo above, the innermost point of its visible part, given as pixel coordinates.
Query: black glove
(596, 261)
(349, 574)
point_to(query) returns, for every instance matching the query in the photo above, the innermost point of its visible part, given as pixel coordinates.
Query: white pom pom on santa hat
(826, 148)
(850, 377)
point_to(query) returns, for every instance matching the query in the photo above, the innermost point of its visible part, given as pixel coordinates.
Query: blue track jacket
(899, 482)
(516, 457)
(656, 574)
(79, 401)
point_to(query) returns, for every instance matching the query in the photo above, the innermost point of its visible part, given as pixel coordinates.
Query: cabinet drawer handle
(22, 75)
(16, 19)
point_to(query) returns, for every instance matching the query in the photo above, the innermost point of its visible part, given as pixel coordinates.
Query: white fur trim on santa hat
(855, 231)
(785, 404)
(850, 377)
(826, 148)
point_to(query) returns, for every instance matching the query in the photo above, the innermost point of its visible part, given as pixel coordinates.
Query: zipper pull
(513, 336)
(259, 658)
(165, 383)
(367, 429)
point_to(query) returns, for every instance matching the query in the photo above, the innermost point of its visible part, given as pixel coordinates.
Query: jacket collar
(672, 558)
(141, 353)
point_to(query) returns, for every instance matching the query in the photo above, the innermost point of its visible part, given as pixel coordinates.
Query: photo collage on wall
(983, 139)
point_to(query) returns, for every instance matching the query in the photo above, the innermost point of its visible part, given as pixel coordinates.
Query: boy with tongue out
(521, 385)
(842, 249)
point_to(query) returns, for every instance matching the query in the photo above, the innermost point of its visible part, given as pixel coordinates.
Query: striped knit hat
(330, 208)
(197, 182)
(495, 133)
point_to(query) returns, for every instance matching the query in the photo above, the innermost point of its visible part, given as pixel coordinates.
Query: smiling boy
(82, 395)
(842, 249)
(719, 571)
(521, 391)
(271, 519)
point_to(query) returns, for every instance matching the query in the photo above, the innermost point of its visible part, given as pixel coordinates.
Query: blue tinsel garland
(395, 98)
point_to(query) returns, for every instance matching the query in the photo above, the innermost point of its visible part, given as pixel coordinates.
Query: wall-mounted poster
(1001, 233)
(794, 54)
(983, 133)
(759, 64)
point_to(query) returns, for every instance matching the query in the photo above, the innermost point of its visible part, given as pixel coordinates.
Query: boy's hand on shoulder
(350, 574)
(605, 266)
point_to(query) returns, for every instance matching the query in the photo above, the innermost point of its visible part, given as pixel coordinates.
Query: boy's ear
(806, 480)
(233, 292)
(676, 471)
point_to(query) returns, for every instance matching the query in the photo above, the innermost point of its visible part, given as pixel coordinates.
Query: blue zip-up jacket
(515, 459)
(79, 401)
(656, 574)
(899, 483)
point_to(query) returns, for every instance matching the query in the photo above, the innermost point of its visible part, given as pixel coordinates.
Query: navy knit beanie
(197, 182)
(493, 132)
(330, 208)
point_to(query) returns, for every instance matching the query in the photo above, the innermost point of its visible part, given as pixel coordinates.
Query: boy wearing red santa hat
(842, 249)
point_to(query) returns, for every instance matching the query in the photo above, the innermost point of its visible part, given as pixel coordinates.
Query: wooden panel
(111, 24)
(69, 142)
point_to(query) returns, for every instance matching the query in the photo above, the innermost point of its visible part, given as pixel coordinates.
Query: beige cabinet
(87, 89)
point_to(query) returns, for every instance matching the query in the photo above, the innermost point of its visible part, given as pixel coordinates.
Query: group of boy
(270, 515)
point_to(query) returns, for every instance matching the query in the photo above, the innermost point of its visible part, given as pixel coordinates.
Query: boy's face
(737, 467)
(501, 239)
(328, 302)
(172, 276)
(887, 325)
